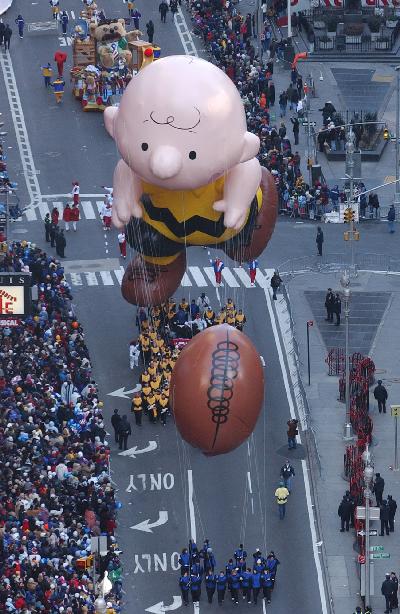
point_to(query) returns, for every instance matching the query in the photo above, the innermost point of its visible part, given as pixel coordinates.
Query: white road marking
(21, 132)
(229, 278)
(99, 205)
(186, 281)
(53, 196)
(88, 210)
(304, 465)
(198, 276)
(209, 271)
(43, 210)
(249, 482)
(30, 215)
(119, 273)
(91, 279)
(244, 278)
(76, 279)
(191, 506)
(106, 278)
(184, 34)
(72, 14)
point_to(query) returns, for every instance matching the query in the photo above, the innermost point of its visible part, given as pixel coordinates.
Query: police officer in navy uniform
(222, 581)
(184, 585)
(211, 583)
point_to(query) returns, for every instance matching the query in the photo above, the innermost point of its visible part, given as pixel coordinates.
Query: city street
(169, 491)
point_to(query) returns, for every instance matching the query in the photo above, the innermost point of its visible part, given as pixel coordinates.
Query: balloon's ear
(251, 145)
(110, 115)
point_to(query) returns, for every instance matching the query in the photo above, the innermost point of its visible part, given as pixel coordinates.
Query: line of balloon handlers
(188, 175)
(237, 576)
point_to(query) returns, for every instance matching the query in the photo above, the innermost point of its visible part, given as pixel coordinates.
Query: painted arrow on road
(124, 394)
(148, 526)
(133, 452)
(160, 607)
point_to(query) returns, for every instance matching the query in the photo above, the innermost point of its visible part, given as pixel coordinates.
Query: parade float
(105, 57)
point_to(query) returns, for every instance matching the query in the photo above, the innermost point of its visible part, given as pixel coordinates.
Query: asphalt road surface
(166, 484)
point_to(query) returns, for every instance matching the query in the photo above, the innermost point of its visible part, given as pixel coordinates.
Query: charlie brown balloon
(188, 174)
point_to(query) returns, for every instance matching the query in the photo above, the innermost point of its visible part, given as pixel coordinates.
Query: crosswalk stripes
(243, 276)
(119, 273)
(195, 277)
(229, 279)
(198, 276)
(87, 210)
(106, 278)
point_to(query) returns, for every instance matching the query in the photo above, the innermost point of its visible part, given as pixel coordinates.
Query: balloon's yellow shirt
(188, 216)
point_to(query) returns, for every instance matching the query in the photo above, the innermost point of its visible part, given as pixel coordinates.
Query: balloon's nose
(166, 162)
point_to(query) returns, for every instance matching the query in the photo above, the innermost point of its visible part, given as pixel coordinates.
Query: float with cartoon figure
(188, 174)
(105, 57)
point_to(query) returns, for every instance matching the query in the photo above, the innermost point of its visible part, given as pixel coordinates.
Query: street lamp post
(368, 475)
(289, 20)
(260, 27)
(350, 199)
(345, 282)
(397, 186)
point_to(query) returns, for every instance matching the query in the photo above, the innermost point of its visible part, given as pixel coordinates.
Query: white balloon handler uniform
(134, 353)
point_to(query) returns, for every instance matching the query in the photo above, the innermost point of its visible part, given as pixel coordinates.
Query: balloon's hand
(241, 184)
(123, 210)
(126, 197)
(235, 214)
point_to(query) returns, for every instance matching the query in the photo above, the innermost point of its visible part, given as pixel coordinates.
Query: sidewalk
(328, 415)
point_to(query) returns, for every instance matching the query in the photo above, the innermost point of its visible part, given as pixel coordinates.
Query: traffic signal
(348, 215)
(386, 134)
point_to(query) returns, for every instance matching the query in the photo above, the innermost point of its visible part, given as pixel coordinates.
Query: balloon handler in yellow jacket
(188, 174)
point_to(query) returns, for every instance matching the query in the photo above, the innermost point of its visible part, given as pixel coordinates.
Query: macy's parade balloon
(188, 174)
(217, 390)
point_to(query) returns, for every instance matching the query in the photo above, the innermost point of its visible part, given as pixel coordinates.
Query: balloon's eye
(192, 155)
(145, 146)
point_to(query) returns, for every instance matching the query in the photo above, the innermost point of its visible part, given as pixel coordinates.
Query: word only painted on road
(151, 481)
(147, 563)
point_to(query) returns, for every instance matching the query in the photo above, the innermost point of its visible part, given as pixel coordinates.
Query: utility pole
(368, 475)
(259, 23)
(289, 20)
(352, 234)
(345, 282)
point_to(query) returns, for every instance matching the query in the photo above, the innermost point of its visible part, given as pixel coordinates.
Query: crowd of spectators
(55, 486)
(229, 38)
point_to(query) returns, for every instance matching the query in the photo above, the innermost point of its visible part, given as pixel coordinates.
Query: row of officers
(238, 578)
